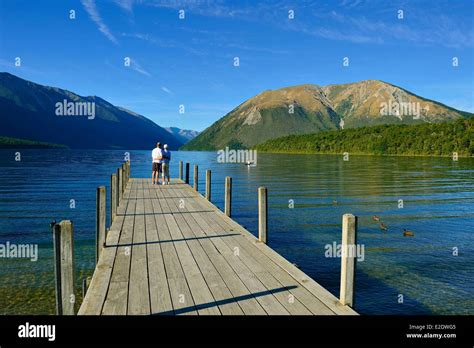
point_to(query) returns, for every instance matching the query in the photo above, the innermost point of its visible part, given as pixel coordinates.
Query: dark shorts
(156, 167)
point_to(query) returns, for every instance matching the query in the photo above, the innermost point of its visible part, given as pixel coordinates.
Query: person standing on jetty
(156, 156)
(165, 164)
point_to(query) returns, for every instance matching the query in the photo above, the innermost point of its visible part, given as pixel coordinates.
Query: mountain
(311, 108)
(30, 111)
(183, 135)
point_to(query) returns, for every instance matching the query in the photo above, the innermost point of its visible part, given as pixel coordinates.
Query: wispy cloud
(166, 90)
(126, 5)
(219, 8)
(344, 21)
(91, 8)
(138, 68)
(164, 43)
(360, 29)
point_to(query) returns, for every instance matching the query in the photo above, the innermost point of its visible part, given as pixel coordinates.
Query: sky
(191, 61)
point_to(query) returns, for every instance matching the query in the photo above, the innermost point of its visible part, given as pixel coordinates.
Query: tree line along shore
(429, 139)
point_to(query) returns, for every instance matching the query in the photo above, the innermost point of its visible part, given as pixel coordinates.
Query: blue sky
(190, 61)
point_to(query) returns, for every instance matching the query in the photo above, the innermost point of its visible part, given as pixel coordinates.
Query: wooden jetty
(170, 251)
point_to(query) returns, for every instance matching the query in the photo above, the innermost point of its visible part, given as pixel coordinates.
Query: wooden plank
(182, 260)
(183, 302)
(296, 293)
(93, 302)
(221, 293)
(294, 299)
(203, 299)
(117, 295)
(241, 293)
(138, 293)
(202, 296)
(324, 295)
(268, 296)
(160, 298)
(280, 291)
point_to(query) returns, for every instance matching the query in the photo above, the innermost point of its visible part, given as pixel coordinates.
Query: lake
(430, 273)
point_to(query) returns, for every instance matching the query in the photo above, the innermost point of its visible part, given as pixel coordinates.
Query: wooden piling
(100, 221)
(187, 173)
(124, 178)
(348, 248)
(113, 197)
(124, 168)
(208, 185)
(228, 196)
(262, 215)
(63, 237)
(85, 285)
(180, 170)
(128, 170)
(119, 185)
(196, 178)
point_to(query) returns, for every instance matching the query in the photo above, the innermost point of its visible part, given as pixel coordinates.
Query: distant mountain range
(310, 108)
(183, 135)
(49, 114)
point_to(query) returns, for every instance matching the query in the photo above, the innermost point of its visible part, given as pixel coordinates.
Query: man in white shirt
(156, 167)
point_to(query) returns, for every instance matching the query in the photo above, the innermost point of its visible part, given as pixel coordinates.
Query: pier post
(348, 248)
(128, 171)
(196, 177)
(85, 285)
(180, 170)
(124, 177)
(63, 237)
(100, 221)
(113, 197)
(208, 185)
(187, 173)
(228, 196)
(124, 168)
(262, 215)
(119, 185)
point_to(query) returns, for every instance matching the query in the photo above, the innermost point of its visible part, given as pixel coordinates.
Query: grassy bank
(15, 143)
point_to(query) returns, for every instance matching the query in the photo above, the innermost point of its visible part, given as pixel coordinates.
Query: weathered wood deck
(170, 251)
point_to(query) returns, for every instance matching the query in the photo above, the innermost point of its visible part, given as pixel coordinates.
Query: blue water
(438, 206)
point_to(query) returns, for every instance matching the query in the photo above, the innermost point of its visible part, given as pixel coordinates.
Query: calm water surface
(438, 206)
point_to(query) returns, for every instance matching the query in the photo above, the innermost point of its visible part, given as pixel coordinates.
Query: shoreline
(359, 154)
